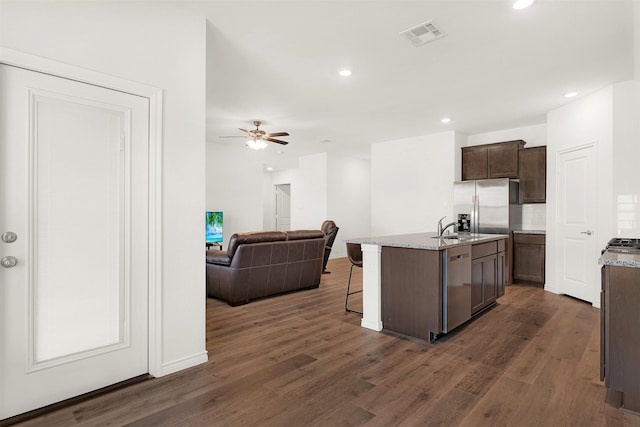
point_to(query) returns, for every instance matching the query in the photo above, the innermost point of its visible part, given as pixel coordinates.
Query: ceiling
(497, 68)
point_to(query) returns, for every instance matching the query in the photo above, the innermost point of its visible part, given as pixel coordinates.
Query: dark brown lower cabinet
(619, 338)
(487, 274)
(502, 271)
(411, 291)
(412, 286)
(529, 258)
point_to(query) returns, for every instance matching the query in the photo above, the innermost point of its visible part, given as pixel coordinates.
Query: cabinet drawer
(484, 249)
(533, 239)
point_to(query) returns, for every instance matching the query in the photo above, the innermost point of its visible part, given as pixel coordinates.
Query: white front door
(74, 191)
(283, 207)
(578, 272)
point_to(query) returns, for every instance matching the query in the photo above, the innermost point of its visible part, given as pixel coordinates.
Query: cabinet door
(622, 298)
(490, 279)
(528, 258)
(533, 175)
(474, 162)
(477, 284)
(503, 159)
(501, 273)
(483, 282)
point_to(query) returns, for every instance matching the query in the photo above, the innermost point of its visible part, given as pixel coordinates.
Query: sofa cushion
(253, 237)
(304, 234)
(216, 256)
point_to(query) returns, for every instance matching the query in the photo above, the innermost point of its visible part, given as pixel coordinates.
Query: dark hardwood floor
(300, 360)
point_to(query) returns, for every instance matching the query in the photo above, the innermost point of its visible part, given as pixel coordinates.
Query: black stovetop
(620, 242)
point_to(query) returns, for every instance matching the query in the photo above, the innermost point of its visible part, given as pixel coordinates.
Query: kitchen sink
(447, 236)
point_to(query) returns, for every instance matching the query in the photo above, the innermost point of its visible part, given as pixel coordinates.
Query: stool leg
(346, 301)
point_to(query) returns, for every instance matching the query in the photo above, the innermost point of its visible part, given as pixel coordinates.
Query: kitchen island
(620, 323)
(422, 285)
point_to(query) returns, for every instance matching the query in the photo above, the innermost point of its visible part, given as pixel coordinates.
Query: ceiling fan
(258, 137)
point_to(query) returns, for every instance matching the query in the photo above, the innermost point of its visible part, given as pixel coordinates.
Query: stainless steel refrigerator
(491, 205)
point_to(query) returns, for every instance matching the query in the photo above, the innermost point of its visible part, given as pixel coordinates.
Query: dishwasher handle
(458, 257)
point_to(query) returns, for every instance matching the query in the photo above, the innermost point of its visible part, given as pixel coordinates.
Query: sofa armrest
(216, 256)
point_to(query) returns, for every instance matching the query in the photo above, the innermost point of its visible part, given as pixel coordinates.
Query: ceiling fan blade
(269, 135)
(277, 141)
(245, 131)
(233, 136)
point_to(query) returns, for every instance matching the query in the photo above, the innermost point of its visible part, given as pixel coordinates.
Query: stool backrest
(354, 252)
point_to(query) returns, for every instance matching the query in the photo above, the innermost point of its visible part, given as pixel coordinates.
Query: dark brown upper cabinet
(499, 160)
(533, 175)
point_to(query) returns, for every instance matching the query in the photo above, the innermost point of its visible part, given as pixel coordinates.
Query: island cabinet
(412, 291)
(499, 160)
(487, 274)
(619, 337)
(533, 175)
(529, 258)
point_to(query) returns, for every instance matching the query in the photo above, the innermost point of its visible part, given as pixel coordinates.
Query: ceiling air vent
(423, 33)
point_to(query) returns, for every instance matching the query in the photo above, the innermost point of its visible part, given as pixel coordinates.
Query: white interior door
(576, 201)
(74, 190)
(283, 207)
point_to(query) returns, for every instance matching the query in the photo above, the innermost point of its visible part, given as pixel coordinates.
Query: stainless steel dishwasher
(456, 287)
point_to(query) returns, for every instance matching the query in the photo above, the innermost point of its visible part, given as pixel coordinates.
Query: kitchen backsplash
(534, 216)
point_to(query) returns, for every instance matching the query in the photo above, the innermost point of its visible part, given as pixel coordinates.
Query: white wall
(161, 46)
(234, 181)
(586, 120)
(308, 192)
(348, 199)
(533, 214)
(326, 186)
(412, 183)
(626, 153)
(636, 37)
(535, 136)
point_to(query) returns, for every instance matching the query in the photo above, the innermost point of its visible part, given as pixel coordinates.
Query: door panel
(75, 191)
(283, 207)
(576, 201)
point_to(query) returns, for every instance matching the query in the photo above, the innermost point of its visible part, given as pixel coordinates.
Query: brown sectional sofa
(265, 263)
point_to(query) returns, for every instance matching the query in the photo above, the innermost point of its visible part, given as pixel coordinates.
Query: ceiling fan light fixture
(256, 144)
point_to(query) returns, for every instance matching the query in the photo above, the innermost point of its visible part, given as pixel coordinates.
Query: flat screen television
(213, 227)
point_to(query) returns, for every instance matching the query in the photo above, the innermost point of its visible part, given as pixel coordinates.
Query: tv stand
(216, 244)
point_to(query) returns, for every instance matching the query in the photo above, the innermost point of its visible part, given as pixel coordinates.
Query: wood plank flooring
(300, 360)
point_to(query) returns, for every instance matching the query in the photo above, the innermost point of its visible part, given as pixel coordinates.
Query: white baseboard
(184, 363)
(373, 325)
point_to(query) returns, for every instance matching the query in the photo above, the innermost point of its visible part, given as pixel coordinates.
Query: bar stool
(354, 252)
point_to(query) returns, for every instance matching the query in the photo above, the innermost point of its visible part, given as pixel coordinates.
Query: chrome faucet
(442, 229)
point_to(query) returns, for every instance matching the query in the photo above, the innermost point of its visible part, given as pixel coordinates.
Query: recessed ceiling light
(522, 4)
(446, 120)
(570, 94)
(345, 73)
(269, 168)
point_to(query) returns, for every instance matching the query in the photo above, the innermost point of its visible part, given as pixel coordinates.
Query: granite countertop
(529, 231)
(620, 259)
(428, 241)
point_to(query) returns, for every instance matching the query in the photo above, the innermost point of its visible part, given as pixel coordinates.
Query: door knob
(588, 232)
(9, 237)
(9, 262)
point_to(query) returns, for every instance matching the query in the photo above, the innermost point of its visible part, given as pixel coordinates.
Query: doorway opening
(282, 204)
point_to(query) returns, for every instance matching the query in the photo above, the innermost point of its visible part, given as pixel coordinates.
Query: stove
(620, 242)
(621, 245)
